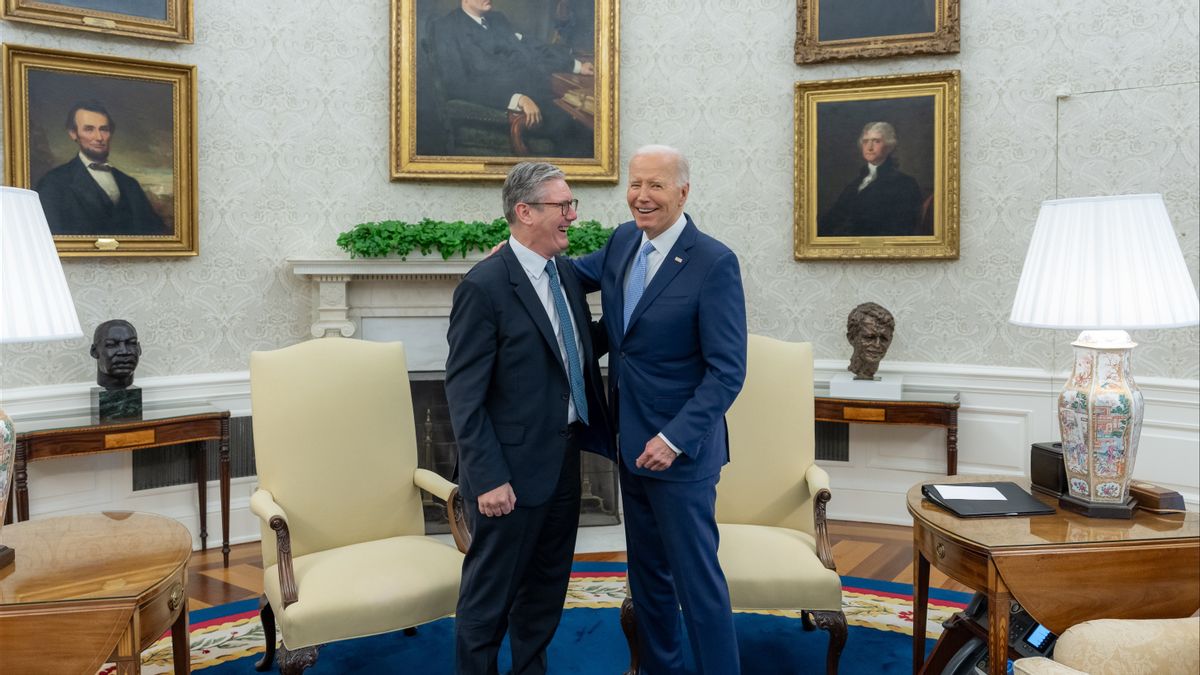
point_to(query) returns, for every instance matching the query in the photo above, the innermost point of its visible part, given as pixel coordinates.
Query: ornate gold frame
(406, 164)
(944, 243)
(177, 27)
(810, 49)
(17, 63)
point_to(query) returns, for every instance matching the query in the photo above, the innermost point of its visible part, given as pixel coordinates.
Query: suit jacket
(75, 204)
(683, 360)
(488, 65)
(506, 383)
(890, 205)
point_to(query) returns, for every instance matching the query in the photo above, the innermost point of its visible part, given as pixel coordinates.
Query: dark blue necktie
(637, 283)
(574, 366)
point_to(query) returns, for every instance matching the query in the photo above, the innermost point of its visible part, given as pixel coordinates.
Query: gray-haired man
(525, 397)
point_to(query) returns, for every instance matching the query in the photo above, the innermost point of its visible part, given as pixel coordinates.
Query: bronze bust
(869, 329)
(116, 350)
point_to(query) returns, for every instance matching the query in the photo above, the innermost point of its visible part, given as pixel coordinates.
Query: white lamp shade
(35, 301)
(1105, 263)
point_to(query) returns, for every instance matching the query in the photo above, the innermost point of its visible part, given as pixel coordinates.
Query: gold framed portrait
(877, 168)
(827, 30)
(109, 145)
(475, 92)
(169, 20)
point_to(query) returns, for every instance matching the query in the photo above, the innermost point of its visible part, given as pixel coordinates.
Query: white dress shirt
(654, 260)
(535, 267)
(104, 179)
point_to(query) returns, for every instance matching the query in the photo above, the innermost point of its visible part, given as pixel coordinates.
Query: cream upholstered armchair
(343, 546)
(1122, 647)
(771, 499)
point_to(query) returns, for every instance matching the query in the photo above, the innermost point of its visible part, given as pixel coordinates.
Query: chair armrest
(433, 484)
(1040, 665)
(262, 504)
(818, 486)
(448, 492)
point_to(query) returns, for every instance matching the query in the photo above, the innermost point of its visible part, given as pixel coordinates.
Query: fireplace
(409, 301)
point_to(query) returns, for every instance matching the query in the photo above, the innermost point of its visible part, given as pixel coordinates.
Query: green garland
(376, 240)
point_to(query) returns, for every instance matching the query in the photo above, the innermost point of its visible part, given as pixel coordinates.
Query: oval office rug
(228, 639)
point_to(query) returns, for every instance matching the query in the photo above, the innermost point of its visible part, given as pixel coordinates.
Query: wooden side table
(93, 588)
(1063, 568)
(76, 433)
(916, 408)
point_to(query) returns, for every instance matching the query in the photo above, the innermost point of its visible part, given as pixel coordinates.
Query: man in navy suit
(675, 317)
(525, 397)
(87, 195)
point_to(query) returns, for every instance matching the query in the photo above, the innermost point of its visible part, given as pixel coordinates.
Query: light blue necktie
(574, 366)
(637, 282)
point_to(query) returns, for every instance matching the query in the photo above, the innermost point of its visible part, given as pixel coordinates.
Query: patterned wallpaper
(293, 129)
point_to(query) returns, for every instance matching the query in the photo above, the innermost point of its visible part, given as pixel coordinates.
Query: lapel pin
(678, 259)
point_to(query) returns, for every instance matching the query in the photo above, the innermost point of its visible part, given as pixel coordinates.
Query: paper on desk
(970, 492)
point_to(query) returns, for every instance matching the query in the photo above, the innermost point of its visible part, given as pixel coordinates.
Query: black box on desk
(1047, 473)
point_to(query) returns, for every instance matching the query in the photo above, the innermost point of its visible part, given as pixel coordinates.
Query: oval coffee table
(93, 588)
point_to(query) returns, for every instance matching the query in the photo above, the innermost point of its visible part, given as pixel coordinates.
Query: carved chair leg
(267, 616)
(629, 627)
(806, 621)
(411, 631)
(835, 623)
(295, 662)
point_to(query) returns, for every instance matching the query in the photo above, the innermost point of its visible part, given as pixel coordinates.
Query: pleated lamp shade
(1105, 263)
(35, 302)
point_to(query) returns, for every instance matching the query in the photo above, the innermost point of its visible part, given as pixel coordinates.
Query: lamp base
(7, 555)
(1123, 511)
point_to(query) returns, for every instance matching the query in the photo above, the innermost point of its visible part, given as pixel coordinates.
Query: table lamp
(35, 303)
(1103, 265)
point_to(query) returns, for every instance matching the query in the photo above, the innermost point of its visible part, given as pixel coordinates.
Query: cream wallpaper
(293, 129)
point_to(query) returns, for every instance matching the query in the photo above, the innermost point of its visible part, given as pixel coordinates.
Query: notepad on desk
(981, 500)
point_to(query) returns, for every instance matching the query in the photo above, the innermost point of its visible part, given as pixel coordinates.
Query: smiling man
(87, 195)
(675, 316)
(880, 200)
(525, 397)
(869, 329)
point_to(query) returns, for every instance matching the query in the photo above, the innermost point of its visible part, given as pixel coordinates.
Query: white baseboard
(1003, 411)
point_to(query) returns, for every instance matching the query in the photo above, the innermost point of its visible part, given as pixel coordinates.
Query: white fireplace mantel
(389, 299)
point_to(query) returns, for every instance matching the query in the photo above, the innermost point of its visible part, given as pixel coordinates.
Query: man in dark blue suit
(675, 317)
(525, 397)
(87, 195)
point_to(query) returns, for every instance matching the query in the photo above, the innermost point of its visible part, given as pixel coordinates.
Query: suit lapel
(524, 291)
(672, 264)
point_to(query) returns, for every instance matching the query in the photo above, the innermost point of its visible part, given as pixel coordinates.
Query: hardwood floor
(882, 552)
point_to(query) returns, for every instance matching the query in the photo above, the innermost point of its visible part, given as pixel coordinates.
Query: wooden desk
(915, 408)
(1063, 568)
(93, 588)
(568, 86)
(75, 433)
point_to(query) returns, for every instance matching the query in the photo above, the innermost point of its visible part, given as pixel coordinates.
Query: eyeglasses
(567, 206)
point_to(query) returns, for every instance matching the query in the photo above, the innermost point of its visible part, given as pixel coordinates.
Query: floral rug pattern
(240, 635)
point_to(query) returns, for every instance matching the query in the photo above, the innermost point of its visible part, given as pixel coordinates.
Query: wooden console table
(915, 408)
(76, 433)
(1062, 568)
(92, 588)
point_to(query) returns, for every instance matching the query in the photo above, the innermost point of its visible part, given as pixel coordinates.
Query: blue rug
(228, 639)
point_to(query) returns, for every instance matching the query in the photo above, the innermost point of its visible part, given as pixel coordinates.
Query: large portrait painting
(849, 29)
(169, 20)
(479, 85)
(109, 145)
(876, 167)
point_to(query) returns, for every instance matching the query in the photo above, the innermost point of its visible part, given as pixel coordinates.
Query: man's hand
(587, 69)
(496, 248)
(533, 114)
(500, 501)
(658, 456)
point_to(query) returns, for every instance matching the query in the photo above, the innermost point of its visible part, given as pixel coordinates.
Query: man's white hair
(683, 173)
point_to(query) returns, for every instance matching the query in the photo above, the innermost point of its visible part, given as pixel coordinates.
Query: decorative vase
(1100, 416)
(8, 455)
